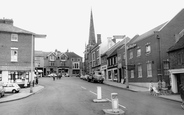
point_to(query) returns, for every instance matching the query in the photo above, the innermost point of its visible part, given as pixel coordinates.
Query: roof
(115, 47)
(178, 45)
(14, 29)
(41, 53)
(72, 54)
(149, 33)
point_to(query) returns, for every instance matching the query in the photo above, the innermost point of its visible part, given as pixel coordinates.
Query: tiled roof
(149, 33)
(72, 54)
(41, 53)
(114, 47)
(13, 29)
(178, 45)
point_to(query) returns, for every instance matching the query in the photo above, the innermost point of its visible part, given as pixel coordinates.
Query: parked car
(89, 77)
(97, 77)
(11, 87)
(2, 91)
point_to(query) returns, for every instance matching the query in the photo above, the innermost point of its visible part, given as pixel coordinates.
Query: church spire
(92, 40)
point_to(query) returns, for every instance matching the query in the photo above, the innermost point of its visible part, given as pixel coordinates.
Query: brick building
(63, 63)
(15, 52)
(176, 63)
(148, 52)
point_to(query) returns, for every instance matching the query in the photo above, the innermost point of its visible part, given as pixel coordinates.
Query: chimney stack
(99, 39)
(6, 21)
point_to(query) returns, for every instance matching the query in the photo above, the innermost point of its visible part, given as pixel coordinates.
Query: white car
(11, 87)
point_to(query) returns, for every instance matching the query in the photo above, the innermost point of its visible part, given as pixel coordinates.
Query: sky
(66, 22)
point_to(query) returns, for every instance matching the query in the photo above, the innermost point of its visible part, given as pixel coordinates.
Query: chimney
(99, 39)
(6, 21)
(114, 40)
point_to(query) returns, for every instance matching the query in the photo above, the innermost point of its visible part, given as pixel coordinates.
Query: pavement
(25, 92)
(173, 97)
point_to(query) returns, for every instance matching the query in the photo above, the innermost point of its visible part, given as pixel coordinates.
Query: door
(178, 78)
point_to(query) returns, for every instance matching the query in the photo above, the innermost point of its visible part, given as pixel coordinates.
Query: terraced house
(16, 45)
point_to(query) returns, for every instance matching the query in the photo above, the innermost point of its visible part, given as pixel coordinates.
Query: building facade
(176, 63)
(15, 52)
(148, 52)
(63, 63)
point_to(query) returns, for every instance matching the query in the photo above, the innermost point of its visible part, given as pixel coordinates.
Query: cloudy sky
(66, 22)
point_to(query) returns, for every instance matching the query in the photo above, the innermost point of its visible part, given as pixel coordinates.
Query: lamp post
(126, 65)
(32, 48)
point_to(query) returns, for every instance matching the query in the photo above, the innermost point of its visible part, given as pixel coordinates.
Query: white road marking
(118, 104)
(93, 92)
(83, 87)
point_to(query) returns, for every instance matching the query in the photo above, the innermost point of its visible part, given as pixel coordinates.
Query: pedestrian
(150, 87)
(182, 94)
(53, 78)
(37, 80)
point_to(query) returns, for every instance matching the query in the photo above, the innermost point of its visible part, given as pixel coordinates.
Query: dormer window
(63, 57)
(52, 58)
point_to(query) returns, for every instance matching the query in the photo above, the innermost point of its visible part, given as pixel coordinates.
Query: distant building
(15, 52)
(63, 63)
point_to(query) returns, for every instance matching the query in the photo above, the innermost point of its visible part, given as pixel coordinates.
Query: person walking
(182, 94)
(150, 87)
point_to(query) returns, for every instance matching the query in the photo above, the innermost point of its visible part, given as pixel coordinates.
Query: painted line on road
(83, 87)
(118, 104)
(93, 92)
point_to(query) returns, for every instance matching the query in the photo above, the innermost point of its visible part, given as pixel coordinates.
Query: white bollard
(115, 103)
(99, 93)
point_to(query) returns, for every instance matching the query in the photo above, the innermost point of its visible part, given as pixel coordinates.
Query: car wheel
(13, 91)
(101, 81)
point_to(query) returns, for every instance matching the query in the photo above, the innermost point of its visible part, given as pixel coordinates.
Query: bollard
(99, 92)
(115, 103)
(99, 96)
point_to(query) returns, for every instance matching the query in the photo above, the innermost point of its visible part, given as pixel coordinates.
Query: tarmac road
(73, 96)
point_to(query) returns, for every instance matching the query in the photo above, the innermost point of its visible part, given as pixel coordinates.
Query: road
(73, 96)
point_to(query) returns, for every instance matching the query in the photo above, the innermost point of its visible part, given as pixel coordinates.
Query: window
(72, 59)
(0, 75)
(76, 65)
(131, 54)
(132, 73)
(93, 56)
(138, 52)
(14, 54)
(139, 71)
(166, 68)
(79, 59)
(52, 58)
(148, 49)
(14, 37)
(119, 57)
(149, 69)
(97, 53)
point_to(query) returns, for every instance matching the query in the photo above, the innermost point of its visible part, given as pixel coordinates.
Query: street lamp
(32, 57)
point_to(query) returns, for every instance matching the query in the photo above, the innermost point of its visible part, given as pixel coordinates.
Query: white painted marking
(93, 92)
(83, 87)
(118, 104)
